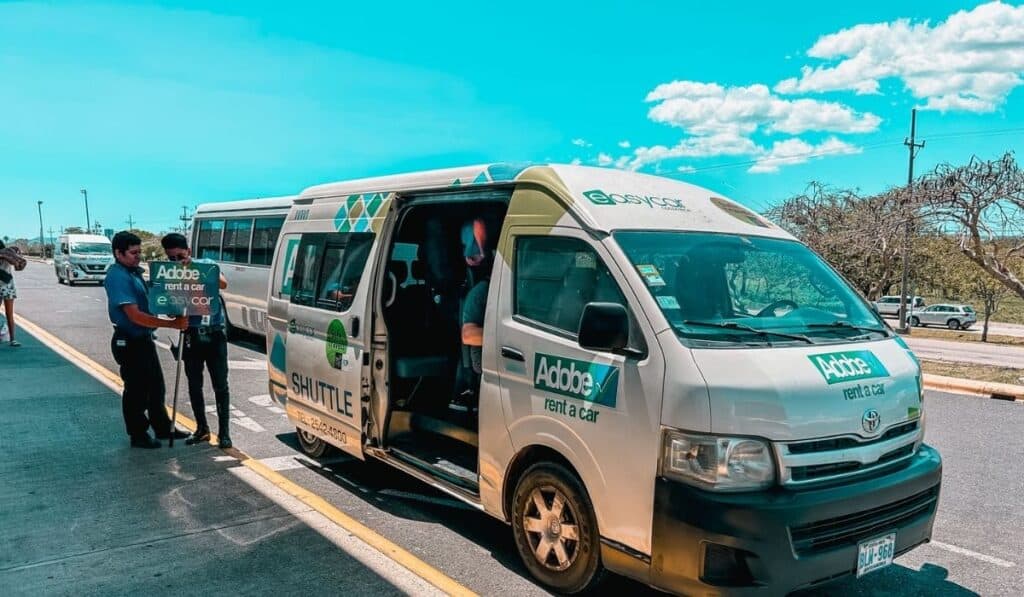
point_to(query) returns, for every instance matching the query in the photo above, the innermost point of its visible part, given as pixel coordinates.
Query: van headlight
(717, 463)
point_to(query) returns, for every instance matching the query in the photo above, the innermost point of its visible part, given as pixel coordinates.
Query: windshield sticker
(667, 302)
(599, 197)
(651, 275)
(583, 380)
(838, 367)
(740, 213)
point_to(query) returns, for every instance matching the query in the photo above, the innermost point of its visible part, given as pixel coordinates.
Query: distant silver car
(954, 317)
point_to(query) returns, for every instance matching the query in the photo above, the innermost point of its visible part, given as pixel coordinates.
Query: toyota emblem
(871, 420)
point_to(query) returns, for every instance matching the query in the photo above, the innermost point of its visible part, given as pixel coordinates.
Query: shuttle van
(82, 258)
(672, 387)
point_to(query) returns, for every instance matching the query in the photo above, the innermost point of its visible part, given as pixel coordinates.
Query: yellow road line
(364, 533)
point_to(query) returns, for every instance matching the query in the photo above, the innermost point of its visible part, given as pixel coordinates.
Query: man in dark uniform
(133, 347)
(205, 344)
(479, 262)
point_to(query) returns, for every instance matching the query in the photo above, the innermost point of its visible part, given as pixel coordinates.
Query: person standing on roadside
(133, 346)
(205, 344)
(10, 260)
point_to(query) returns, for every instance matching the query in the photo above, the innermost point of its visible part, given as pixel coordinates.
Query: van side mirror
(604, 327)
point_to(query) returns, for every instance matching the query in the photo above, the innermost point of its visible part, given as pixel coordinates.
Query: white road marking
(386, 568)
(973, 554)
(262, 400)
(223, 458)
(247, 365)
(248, 424)
(287, 463)
(277, 410)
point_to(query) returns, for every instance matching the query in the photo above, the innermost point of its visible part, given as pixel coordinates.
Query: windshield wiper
(839, 323)
(732, 325)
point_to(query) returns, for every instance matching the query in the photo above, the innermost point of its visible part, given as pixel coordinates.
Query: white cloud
(576, 161)
(603, 159)
(797, 151)
(710, 109)
(969, 62)
(686, 169)
(580, 143)
(624, 144)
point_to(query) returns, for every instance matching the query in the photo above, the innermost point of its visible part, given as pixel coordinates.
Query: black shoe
(463, 403)
(223, 441)
(177, 433)
(198, 436)
(144, 441)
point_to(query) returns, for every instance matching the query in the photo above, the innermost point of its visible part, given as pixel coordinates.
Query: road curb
(985, 389)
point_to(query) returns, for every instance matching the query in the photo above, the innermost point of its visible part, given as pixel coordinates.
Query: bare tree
(859, 236)
(983, 203)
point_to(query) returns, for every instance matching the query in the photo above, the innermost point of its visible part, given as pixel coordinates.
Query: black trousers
(209, 350)
(143, 385)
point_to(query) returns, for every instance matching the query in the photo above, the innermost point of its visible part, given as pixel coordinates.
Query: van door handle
(511, 353)
(354, 328)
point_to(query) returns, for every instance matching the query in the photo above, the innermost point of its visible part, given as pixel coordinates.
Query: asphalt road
(969, 352)
(977, 548)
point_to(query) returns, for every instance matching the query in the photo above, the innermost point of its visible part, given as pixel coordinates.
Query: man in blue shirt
(478, 252)
(133, 347)
(205, 344)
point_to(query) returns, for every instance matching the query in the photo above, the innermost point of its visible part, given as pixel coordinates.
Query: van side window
(555, 277)
(237, 234)
(284, 273)
(207, 244)
(306, 268)
(328, 269)
(264, 239)
(344, 261)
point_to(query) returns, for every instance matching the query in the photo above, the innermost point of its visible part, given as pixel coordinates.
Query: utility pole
(88, 220)
(50, 230)
(42, 239)
(131, 223)
(914, 147)
(184, 218)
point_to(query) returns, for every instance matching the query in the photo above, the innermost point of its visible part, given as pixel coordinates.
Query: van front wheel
(556, 530)
(311, 444)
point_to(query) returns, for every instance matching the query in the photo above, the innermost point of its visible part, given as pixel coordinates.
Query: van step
(451, 458)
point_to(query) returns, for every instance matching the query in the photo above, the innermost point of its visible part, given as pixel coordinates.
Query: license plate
(875, 553)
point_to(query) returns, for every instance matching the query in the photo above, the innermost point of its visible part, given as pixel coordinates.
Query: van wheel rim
(551, 524)
(308, 437)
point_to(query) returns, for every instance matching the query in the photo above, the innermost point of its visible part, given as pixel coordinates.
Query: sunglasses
(177, 257)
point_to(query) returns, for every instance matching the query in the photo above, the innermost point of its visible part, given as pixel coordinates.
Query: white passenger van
(240, 237)
(82, 258)
(673, 388)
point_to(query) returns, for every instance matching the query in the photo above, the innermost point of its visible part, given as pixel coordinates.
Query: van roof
(244, 204)
(603, 198)
(97, 238)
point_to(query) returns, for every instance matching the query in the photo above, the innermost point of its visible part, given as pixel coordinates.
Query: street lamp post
(42, 239)
(88, 221)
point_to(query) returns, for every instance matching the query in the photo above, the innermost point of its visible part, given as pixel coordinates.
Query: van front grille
(819, 471)
(850, 529)
(844, 443)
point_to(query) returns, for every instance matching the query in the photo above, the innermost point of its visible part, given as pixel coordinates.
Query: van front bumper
(773, 542)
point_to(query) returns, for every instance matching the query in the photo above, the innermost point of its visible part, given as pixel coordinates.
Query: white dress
(7, 289)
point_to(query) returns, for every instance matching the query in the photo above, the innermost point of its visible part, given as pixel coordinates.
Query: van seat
(425, 366)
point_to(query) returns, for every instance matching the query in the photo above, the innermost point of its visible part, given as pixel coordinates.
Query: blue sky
(152, 106)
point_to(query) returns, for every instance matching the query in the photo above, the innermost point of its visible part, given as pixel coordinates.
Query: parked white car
(954, 317)
(890, 305)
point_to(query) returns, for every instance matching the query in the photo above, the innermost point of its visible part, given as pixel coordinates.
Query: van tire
(953, 324)
(312, 445)
(581, 569)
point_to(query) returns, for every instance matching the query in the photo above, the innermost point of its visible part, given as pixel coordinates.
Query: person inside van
(479, 260)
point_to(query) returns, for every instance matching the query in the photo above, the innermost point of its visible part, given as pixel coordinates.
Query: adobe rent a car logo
(837, 367)
(599, 197)
(582, 380)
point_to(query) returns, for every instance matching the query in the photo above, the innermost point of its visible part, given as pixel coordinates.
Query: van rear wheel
(311, 444)
(555, 529)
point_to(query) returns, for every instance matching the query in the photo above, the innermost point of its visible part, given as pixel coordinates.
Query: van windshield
(91, 248)
(739, 290)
